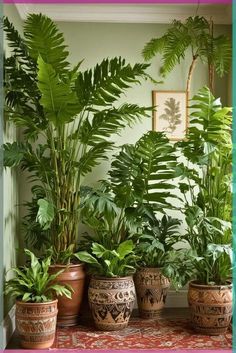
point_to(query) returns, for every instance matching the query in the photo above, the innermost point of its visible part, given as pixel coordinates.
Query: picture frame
(171, 113)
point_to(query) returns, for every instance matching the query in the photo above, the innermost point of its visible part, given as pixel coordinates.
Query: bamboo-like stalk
(190, 72)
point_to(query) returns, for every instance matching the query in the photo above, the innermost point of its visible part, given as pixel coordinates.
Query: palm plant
(206, 187)
(196, 34)
(68, 117)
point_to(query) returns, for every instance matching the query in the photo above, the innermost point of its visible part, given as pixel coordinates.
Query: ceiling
(127, 13)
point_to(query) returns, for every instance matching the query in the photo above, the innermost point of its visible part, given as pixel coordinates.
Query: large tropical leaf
(109, 121)
(57, 98)
(145, 170)
(107, 82)
(93, 157)
(43, 39)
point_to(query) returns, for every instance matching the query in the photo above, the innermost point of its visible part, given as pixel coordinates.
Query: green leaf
(13, 153)
(45, 213)
(125, 249)
(84, 256)
(58, 99)
(43, 39)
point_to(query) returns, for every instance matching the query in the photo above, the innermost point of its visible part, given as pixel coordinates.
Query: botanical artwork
(170, 113)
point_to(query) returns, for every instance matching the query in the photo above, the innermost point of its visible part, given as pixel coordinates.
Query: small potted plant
(208, 197)
(36, 307)
(111, 290)
(155, 249)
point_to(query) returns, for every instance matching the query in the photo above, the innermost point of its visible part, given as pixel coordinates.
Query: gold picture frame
(170, 113)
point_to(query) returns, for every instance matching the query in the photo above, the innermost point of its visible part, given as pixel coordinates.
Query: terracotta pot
(151, 288)
(36, 324)
(68, 309)
(211, 307)
(111, 301)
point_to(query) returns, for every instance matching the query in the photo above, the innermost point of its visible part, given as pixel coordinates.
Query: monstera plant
(207, 189)
(130, 206)
(67, 119)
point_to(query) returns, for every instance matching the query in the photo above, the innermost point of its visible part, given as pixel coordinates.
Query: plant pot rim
(208, 286)
(103, 278)
(20, 302)
(150, 268)
(66, 266)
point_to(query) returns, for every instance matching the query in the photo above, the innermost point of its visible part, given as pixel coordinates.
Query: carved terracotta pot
(211, 307)
(68, 309)
(151, 288)
(111, 301)
(36, 324)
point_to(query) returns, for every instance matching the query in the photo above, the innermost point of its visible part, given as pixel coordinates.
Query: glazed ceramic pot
(151, 288)
(68, 309)
(36, 324)
(211, 307)
(111, 301)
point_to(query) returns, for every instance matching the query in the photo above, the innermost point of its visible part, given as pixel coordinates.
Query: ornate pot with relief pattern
(36, 324)
(151, 288)
(210, 307)
(111, 301)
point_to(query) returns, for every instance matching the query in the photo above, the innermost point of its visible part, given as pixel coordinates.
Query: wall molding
(126, 13)
(9, 326)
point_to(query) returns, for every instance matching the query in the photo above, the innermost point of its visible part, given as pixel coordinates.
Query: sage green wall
(10, 180)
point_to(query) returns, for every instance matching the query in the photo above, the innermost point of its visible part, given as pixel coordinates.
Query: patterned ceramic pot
(36, 324)
(151, 288)
(68, 309)
(111, 301)
(211, 307)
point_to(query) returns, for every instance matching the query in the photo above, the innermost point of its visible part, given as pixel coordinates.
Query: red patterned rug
(141, 334)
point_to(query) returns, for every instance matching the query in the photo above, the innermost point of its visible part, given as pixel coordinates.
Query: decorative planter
(36, 324)
(111, 301)
(151, 288)
(68, 309)
(211, 307)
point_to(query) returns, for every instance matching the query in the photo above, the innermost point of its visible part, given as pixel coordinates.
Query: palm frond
(155, 46)
(107, 82)
(43, 38)
(110, 121)
(93, 157)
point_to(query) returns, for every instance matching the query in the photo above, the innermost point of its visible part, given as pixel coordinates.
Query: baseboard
(8, 326)
(177, 299)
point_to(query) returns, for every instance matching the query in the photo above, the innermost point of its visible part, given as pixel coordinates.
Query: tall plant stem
(211, 71)
(190, 72)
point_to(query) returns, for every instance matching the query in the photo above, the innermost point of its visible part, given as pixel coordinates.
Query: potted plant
(36, 306)
(111, 290)
(155, 249)
(126, 207)
(197, 34)
(67, 117)
(207, 190)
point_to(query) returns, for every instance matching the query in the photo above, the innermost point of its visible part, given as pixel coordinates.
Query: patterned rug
(141, 334)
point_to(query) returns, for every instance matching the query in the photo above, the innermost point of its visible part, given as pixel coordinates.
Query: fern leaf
(155, 46)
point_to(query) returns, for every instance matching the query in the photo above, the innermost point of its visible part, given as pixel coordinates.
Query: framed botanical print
(171, 113)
